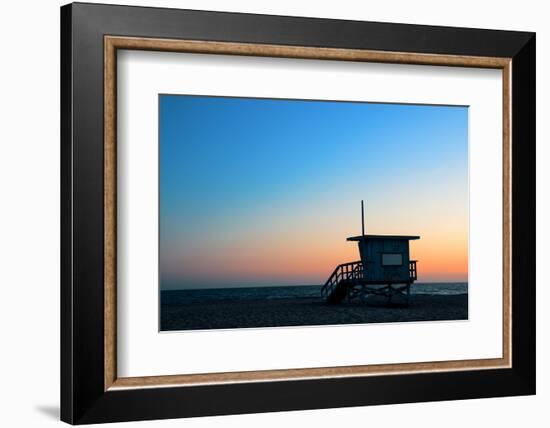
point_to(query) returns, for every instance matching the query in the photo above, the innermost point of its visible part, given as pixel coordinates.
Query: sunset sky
(265, 192)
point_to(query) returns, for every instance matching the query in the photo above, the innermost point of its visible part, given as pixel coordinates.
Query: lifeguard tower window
(392, 259)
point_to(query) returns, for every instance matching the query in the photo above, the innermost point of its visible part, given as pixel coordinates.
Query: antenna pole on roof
(362, 219)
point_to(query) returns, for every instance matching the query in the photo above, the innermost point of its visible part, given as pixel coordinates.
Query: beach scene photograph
(289, 213)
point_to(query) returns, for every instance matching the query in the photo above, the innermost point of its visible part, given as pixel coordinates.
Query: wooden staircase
(337, 285)
(349, 280)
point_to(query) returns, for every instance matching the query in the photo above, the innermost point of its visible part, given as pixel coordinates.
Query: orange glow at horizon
(309, 256)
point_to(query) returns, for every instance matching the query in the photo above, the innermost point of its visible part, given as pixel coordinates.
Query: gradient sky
(265, 191)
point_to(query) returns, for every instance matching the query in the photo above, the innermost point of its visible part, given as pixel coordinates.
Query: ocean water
(174, 297)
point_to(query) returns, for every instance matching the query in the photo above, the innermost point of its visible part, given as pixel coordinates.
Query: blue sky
(265, 191)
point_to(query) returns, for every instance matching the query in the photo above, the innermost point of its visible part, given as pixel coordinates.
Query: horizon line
(293, 285)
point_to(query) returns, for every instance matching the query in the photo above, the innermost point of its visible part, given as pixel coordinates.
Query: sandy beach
(307, 311)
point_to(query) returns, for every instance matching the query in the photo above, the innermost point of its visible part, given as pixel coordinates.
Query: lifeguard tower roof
(361, 237)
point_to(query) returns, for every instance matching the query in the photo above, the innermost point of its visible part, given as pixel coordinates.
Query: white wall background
(29, 215)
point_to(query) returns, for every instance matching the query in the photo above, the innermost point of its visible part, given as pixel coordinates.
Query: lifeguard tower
(385, 270)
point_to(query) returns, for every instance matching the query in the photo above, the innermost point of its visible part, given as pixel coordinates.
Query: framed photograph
(265, 213)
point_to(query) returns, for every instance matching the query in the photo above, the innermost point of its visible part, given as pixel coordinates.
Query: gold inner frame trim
(113, 43)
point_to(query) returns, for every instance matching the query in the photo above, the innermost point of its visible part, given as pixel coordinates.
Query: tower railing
(412, 270)
(355, 271)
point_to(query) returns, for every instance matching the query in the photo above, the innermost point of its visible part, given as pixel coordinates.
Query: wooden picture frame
(90, 389)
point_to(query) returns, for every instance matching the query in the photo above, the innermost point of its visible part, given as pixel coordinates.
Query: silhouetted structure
(385, 269)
